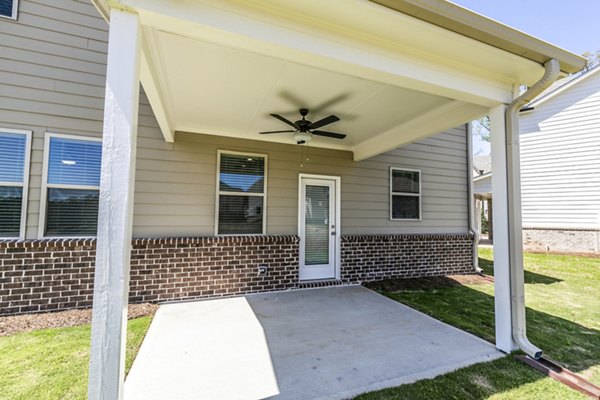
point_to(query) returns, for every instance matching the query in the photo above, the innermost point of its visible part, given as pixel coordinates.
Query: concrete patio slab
(330, 343)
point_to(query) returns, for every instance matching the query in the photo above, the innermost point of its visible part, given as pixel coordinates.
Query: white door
(319, 227)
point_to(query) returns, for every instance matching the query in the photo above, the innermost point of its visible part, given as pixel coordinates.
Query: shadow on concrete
(572, 345)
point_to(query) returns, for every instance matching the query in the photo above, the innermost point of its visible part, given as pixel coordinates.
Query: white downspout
(515, 234)
(471, 199)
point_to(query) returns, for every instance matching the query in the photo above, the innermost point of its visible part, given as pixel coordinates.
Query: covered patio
(328, 343)
(394, 71)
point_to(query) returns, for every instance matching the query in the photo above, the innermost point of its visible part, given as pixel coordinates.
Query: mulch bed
(431, 282)
(29, 322)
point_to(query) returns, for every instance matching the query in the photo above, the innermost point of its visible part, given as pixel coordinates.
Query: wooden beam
(444, 117)
(115, 214)
(502, 287)
(152, 88)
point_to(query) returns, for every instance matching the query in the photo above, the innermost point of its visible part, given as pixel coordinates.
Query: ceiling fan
(305, 129)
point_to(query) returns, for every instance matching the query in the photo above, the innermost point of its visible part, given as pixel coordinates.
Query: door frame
(338, 230)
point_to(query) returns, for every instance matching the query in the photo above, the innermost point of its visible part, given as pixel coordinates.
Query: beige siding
(560, 159)
(52, 73)
(52, 69)
(176, 183)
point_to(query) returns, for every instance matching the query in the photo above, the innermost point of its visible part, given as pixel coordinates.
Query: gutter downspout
(471, 199)
(515, 239)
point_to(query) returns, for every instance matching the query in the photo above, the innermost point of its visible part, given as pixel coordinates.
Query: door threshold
(314, 283)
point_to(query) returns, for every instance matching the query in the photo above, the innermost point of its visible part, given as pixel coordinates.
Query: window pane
(240, 215)
(74, 162)
(242, 174)
(12, 157)
(72, 212)
(405, 207)
(10, 211)
(405, 181)
(6, 7)
(316, 228)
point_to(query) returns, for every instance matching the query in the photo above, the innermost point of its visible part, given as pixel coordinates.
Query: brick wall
(371, 257)
(562, 240)
(49, 275)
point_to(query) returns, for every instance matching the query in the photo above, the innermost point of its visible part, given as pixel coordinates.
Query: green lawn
(52, 364)
(563, 318)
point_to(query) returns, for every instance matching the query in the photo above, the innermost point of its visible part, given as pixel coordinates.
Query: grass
(563, 318)
(52, 364)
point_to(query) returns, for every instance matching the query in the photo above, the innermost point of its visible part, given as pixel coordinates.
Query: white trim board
(44, 185)
(218, 191)
(25, 183)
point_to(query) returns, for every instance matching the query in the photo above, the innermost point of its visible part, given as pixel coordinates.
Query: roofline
(564, 87)
(468, 23)
(482, 176)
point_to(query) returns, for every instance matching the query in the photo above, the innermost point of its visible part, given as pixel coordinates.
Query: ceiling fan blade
(287, 121)
(329, 134)
(323, 122)
(266, 133)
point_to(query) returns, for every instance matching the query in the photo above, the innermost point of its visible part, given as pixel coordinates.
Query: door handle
(332, 233)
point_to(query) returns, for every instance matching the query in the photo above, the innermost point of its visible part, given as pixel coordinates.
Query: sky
(573, 25)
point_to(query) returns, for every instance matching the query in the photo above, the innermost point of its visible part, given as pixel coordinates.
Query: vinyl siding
(176, 184)
(560, 159)
(52, 80)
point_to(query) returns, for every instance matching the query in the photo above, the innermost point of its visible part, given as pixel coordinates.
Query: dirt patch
(30, 322)
(431, 282)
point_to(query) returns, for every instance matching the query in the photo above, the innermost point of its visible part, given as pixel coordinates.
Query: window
(71, 187)
(14, 174)
(241, 198)
(405, 194)
(8, 8)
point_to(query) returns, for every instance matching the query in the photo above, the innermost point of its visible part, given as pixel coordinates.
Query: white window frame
(15, 11)
(419, 195)
(45, 185)
(25, 184)
(219, 192)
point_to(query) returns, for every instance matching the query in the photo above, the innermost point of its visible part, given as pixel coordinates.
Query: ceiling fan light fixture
(302, 137)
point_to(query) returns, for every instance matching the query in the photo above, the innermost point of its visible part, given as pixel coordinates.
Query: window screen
(405, 194)
(72, 187)
(241, 194)
(8, 8)
(12, 181)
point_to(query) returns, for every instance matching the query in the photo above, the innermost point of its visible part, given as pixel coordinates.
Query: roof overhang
(221, 66)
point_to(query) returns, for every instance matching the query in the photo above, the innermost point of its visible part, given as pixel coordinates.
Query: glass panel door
(318, 231)
(316, 222)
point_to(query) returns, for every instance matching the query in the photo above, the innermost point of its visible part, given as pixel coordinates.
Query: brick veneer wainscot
(57, 274)
(373, 257)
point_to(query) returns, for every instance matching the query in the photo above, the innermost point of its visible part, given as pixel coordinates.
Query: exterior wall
(51, 275)
(176, 184)
(483, 186)
(582, 241)
(560, 149)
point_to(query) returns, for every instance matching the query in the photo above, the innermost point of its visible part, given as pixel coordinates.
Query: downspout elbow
(552, 71)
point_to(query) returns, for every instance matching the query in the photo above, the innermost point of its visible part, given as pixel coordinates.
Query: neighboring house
(192, 202)
(560, 167)
(482, 189)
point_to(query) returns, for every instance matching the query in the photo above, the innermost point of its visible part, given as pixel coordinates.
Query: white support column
(501, 233)
(113, 247)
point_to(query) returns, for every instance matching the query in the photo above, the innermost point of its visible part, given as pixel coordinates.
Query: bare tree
(593, 58)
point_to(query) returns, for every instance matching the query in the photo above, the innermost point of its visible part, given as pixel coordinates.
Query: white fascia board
(338, 51)
(437, 120)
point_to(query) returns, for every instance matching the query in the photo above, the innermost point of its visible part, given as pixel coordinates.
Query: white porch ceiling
(231, 92)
